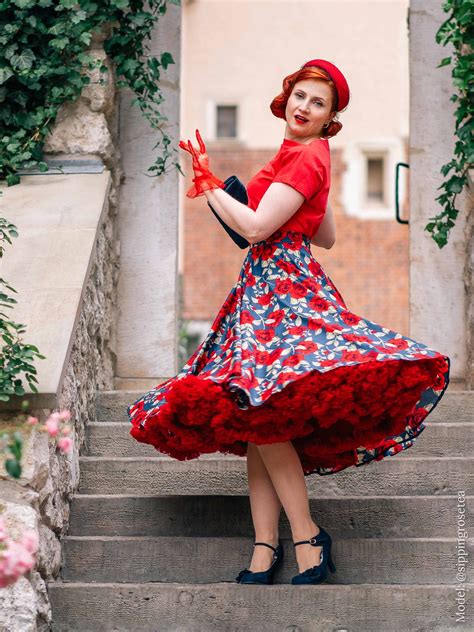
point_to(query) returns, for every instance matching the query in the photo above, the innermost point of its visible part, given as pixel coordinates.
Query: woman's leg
(265, 507)
(283, 465)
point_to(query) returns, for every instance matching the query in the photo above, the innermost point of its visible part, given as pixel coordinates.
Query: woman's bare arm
(325, 236)
(279, 202)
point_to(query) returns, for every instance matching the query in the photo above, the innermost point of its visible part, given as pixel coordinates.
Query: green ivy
(16, 357)
(11, 445)
(458, 30)
(44, 63)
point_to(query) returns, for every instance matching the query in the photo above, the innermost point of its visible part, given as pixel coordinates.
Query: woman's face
(310, 99)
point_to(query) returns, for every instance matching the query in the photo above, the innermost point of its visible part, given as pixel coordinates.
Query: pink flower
(30, 541)
(31, 421)
(65, 415)
(65, 444)
(18, 557)
(52, 425)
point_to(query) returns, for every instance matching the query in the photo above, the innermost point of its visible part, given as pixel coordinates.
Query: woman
(288, 375)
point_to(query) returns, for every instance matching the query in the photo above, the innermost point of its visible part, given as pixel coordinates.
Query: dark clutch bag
(237, 190)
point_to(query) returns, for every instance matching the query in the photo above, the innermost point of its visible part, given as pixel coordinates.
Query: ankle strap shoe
(262, 577)
(317, 574)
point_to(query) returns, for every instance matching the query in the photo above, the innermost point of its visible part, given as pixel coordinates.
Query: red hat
(342, 87)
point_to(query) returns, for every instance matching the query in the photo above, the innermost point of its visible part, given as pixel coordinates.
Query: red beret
(337, 77)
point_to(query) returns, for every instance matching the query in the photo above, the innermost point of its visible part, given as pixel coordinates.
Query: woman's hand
(204, 179)
(200, 157)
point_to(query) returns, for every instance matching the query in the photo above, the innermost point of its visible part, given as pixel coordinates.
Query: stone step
(224, 607)
(112, 405)
(453, 406)
(203, 560)
(410, 476)
(213, 516)
(108, 438)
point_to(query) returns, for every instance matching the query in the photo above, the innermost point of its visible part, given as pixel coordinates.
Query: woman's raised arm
(279, 202)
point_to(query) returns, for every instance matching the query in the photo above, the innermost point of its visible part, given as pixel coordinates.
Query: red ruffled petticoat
(285, 360)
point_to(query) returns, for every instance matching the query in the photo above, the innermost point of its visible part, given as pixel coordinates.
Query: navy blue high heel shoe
(317, 574)
(262, 577)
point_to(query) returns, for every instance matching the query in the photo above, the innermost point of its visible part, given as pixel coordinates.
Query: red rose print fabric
(286, 359)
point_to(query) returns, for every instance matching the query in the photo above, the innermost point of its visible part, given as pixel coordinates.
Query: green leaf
(5, 74)
(10, 51)
(24, 4)
(129, 65)
(166, 59)
(12, 179)
(24, 60)
(78, 16)
(154, 66)
(59, 43)
(13, 468)
(85, 38)
(57, 28)
(455, 185)
(444, 62)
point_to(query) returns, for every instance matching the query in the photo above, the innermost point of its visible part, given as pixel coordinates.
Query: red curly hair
(278, 105)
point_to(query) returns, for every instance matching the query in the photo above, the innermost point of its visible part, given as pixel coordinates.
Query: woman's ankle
(268, 537)
(306, 531)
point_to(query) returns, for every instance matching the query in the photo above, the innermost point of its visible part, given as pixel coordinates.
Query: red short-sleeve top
(305, 167)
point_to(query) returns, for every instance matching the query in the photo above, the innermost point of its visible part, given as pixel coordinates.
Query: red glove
(203, 179)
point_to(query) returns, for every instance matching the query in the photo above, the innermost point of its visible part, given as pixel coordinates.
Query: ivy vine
(458, 30)
(44, 63)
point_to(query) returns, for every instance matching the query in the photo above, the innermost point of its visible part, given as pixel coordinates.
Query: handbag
(234, 187)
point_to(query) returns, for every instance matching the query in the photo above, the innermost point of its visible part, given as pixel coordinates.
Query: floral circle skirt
(285, 359)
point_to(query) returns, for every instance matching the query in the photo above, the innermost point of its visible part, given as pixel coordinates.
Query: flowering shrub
(17, 557)
(54, 425)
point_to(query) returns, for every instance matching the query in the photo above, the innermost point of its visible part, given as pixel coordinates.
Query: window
(375, 183)
(368, 178)
(226, 121)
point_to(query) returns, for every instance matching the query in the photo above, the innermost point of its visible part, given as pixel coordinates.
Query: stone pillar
(148, 224)
(440, 288)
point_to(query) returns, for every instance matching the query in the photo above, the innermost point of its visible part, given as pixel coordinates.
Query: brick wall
(368, 264)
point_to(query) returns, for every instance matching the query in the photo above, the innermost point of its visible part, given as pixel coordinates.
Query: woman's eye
(317, 102)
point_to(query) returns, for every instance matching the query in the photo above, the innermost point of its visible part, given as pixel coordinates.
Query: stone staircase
(154, 543)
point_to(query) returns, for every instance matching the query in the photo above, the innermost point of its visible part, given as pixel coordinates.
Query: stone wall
(40, 499)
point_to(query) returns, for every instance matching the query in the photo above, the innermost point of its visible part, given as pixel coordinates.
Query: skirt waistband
(284, 235)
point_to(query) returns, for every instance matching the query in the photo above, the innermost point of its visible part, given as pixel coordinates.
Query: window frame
(355, 177)
(211, 119)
